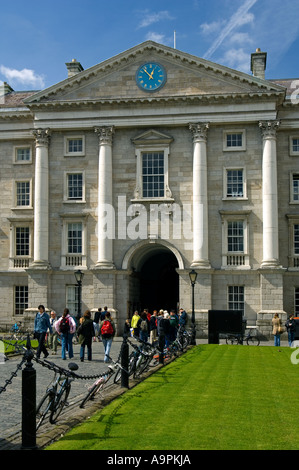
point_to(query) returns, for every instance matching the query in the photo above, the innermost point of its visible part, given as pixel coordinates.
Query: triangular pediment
(152, 137)
(188, 77)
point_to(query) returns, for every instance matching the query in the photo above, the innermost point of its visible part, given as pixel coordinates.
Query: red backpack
(107, 328)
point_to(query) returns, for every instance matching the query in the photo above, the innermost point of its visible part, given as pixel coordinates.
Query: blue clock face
(151, 76)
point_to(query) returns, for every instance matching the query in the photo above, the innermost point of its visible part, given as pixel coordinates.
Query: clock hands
(149, 74)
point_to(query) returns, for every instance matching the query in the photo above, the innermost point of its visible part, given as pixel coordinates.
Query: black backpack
(65, 325)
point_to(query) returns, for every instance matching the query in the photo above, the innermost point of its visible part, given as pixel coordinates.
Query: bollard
(28, 401)
(125, 362)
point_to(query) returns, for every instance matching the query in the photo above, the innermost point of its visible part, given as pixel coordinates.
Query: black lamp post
(79, 278)
(193, 276)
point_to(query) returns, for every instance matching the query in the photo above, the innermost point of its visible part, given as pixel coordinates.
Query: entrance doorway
(159, 282)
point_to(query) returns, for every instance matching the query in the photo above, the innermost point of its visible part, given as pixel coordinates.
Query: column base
(271, 263)
(40, 265)
(200, 264)
(105, 265)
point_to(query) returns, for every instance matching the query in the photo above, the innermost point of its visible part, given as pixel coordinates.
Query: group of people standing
(66, 326)
(278, 329)
(149, 327)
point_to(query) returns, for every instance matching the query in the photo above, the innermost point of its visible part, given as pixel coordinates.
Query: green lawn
(213, 397)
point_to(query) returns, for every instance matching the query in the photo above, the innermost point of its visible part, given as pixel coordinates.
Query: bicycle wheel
(132, 363)
(60, 402)
(96, 387)
(141, 365)
(117, 375)
(252, 341)
(231, 340)
(45, 405)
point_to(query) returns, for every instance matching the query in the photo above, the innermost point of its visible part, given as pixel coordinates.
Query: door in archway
(159, 282)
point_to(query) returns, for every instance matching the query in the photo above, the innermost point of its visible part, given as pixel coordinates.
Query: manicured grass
(213, 397)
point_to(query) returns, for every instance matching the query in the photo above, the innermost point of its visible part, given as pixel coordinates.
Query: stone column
(41, 198)
(106, 215)
(200, 196)
(270, 205)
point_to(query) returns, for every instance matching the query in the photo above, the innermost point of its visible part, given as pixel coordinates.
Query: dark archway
(159, 282)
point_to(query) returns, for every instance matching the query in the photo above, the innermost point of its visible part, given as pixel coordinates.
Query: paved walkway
(11, 401)
(11, 398)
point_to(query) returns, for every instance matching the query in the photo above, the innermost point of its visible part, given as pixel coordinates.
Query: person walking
(41, 326)
(276, 323)
(66, 327)
(53, 337)
(86, 333)
(107, 329)
(291, 328)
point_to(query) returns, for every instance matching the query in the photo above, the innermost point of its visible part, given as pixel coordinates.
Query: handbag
(280, 329)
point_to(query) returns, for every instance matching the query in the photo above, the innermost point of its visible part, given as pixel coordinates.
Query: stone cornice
(193, 99)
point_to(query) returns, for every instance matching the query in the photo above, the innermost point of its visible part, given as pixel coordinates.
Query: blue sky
(37, 37)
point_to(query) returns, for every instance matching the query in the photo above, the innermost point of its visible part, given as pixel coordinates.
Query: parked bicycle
(140, 358)
(56, 395)
(234, 338)
(100, 384)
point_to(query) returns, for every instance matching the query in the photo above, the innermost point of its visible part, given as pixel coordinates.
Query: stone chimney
(73, 68)
(5, 88)
(258, 63)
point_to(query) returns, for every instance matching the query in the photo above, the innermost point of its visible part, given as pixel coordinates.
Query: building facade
(141, 168)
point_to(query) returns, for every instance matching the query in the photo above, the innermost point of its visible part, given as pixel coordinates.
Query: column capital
(199, 131)
(105, 134)
(269, 128)
(42, 136)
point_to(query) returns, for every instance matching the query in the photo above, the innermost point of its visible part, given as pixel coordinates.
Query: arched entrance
(154, 281)
(159, 282)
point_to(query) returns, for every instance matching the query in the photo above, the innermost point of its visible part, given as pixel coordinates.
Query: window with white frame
(74, 238)
(74, 146)
(72, 299)
(20, 252)
(234, 183)
(294, 188)
(234, 140)
(21, 299)
(236, 298)
(22, 241)
(293, 255)
(152, 154)
(153, 175)
(73, 242)
(294, 145)
(23, 194)
(74, 187)
(23, 154)
(235, 239)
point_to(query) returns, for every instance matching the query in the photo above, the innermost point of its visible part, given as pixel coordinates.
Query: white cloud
(24, 77)
(210, 28)
(236, 59)
(150, 18)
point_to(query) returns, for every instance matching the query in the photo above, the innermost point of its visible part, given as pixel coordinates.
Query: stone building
(141, 168)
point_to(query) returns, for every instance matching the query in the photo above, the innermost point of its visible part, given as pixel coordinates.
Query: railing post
(28, 400)
(125, 362)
